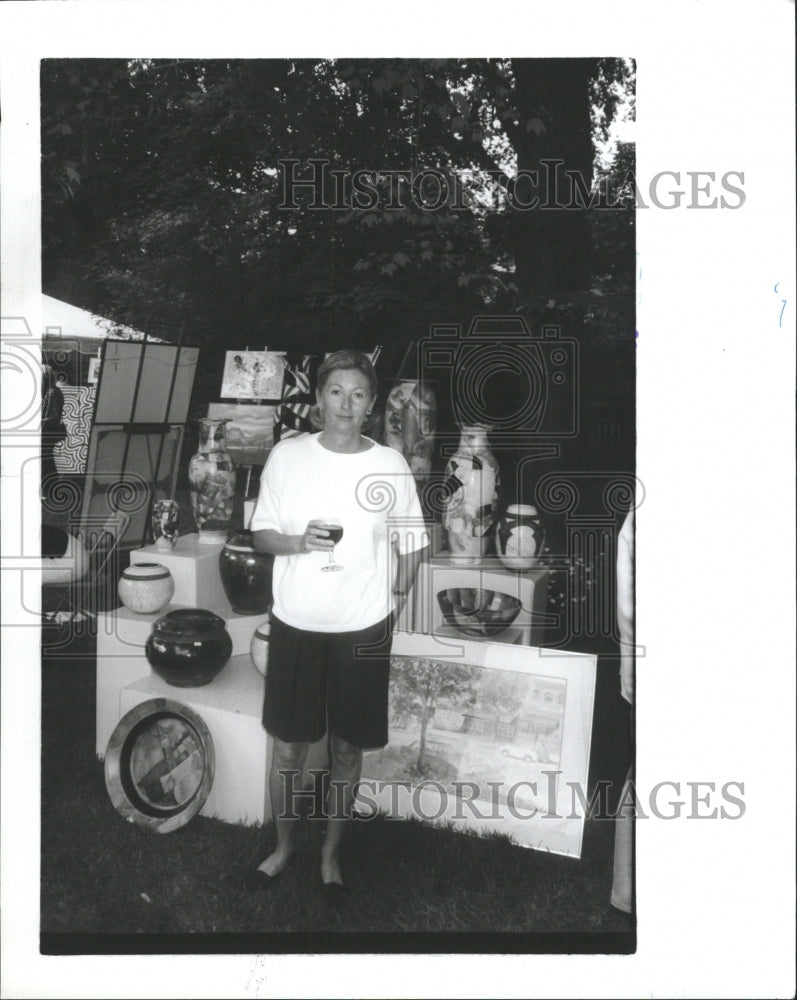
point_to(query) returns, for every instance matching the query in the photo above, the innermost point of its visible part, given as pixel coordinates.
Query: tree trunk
(422, 744)
(552, 244)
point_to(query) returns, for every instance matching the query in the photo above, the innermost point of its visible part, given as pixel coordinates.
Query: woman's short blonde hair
(348, 359)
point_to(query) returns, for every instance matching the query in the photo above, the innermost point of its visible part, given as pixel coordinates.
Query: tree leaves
(180, 159)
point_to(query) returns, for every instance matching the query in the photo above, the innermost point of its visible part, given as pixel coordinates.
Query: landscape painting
(250, 431)
(495, 738)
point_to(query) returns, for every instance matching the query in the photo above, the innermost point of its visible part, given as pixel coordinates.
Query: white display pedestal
(121, 635)
(441, 573)
(231, 707)
(195, 568)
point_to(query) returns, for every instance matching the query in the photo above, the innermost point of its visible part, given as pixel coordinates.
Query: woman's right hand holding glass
(315, 538)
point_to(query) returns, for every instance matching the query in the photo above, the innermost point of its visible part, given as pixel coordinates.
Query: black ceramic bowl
(188, 647)
(478, 613)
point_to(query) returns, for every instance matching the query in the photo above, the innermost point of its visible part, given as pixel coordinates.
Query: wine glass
(335, 531)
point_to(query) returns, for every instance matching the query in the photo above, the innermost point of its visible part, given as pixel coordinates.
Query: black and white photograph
(374, 485)
(322, 206)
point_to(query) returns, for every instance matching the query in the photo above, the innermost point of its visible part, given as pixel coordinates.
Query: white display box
(195, 568)
(121, 636)
(440, 573)
(231, 706)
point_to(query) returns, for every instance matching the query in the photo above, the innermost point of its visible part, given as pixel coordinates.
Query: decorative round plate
(159, 765)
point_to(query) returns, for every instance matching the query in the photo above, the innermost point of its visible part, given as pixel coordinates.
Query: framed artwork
(136, 435)
(250, 431)
(141, 380)
(70, 455)
(126, 470)
(489, 737)
(94, 371)
(253, 375)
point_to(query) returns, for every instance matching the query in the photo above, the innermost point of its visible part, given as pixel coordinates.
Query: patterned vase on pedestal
(165, 518)
(211, 473)
(472, 479)
(246, 575)
(410, 422)
(519, 536)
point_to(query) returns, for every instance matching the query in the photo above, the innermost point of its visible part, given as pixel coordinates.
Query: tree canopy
(163, 192)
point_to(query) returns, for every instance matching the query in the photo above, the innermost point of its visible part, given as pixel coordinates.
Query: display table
(195, 568)
(231, 707)
(442, 573)
(121, 635)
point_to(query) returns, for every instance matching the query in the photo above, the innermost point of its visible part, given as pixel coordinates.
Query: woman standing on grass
(335, 598)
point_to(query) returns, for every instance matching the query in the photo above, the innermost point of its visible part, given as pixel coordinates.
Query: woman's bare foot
(276, 863)
(330, 871)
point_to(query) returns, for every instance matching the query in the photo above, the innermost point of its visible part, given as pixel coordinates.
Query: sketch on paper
(253, 375)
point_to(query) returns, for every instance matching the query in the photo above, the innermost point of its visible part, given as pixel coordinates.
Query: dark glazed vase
(188, 647)
(246, 575)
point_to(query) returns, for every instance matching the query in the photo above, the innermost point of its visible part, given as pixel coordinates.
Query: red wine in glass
(334, 530)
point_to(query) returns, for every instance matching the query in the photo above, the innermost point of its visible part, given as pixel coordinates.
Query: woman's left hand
(400, 602)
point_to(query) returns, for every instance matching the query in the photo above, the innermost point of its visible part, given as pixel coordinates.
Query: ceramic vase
(188, 647)
(146, 588)
(211, 473)
(246, 574)
(472, 483)
(258, 647)
(410, 423)
(165, 518)
(519, 536)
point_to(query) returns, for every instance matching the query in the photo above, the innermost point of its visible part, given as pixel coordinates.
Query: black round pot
(246, 575)
(188, 647)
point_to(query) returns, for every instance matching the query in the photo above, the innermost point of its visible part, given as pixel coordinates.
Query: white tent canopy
(62, 321)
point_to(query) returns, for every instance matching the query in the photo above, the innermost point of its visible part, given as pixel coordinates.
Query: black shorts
(328, 680)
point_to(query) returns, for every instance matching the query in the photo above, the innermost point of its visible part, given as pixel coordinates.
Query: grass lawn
(110, 886)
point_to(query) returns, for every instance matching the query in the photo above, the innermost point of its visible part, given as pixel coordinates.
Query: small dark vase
(188, 647)
(246, 575)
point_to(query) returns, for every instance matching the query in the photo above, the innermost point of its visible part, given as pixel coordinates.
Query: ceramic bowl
(188, 647)
(478, 613)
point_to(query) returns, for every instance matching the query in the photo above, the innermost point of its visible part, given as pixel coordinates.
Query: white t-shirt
(372, 493)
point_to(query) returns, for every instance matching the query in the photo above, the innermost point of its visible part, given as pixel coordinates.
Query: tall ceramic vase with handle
(473, 480)
(410, 423)
(211, 473)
